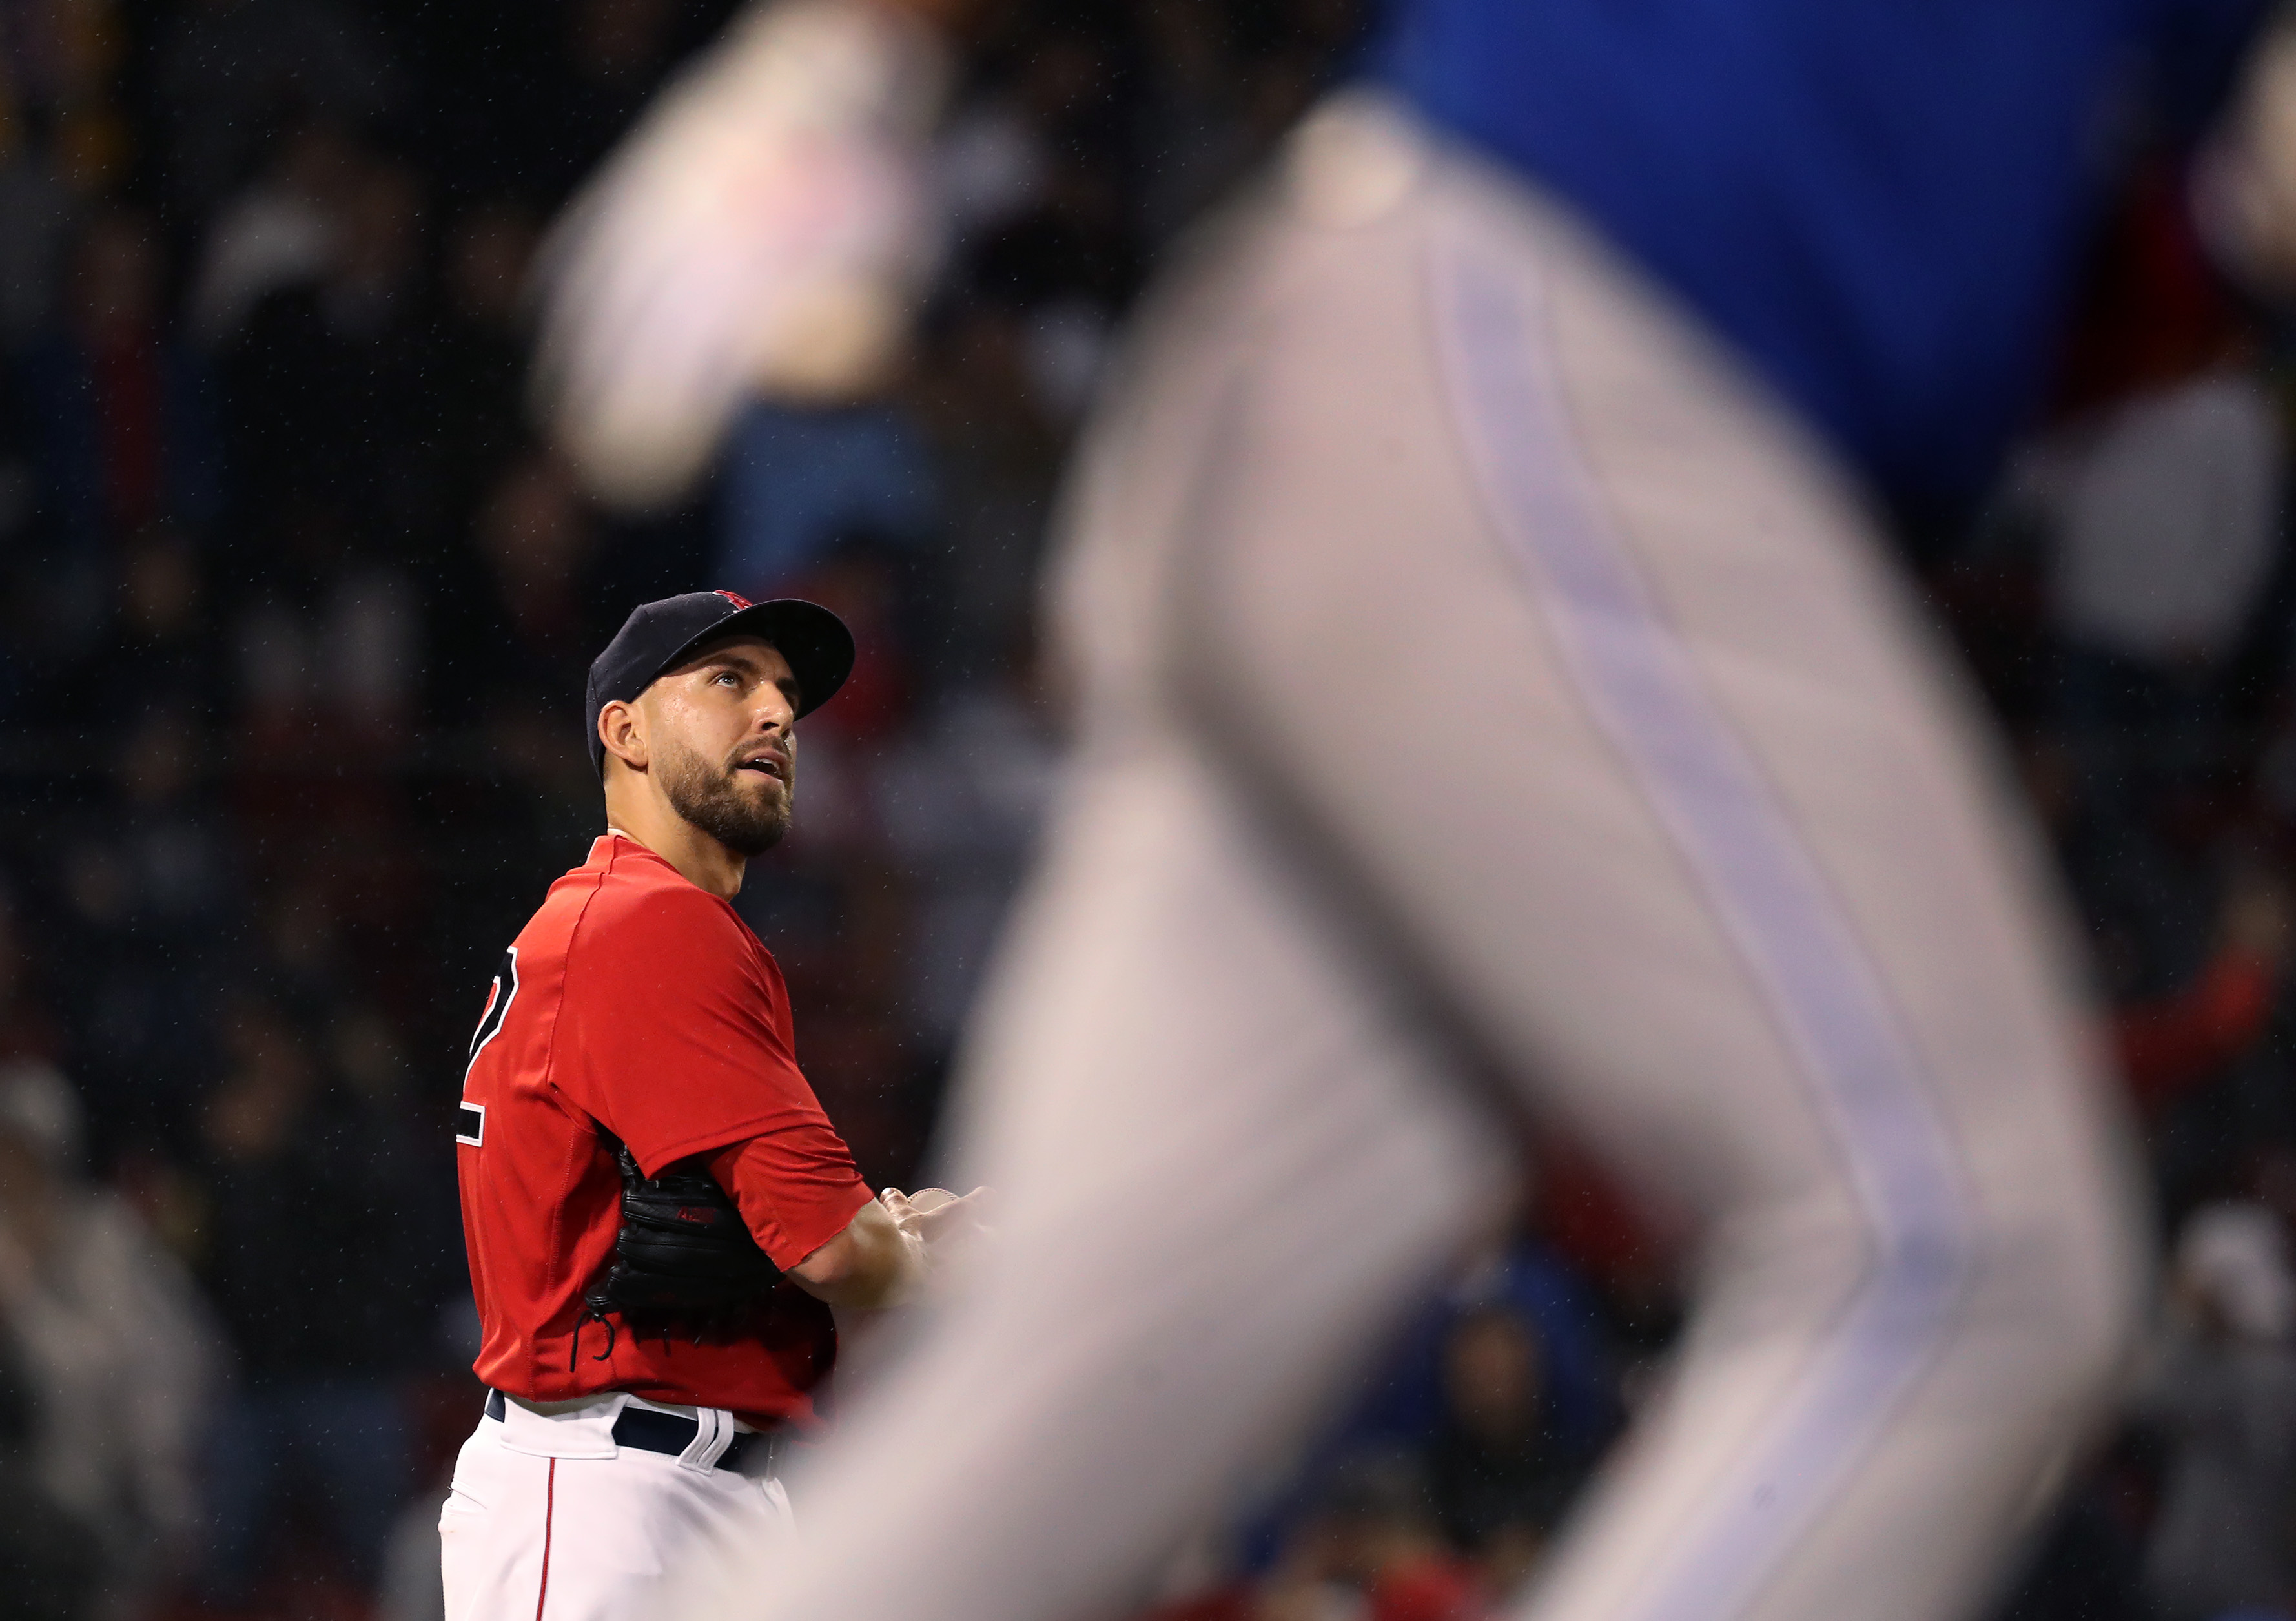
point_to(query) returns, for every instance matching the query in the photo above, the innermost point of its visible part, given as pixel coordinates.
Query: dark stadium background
(293, 615)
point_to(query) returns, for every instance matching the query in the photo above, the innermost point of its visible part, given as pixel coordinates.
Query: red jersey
(636, 1002)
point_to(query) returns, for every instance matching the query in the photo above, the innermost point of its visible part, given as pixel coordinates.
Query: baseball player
(658, 1215)
(1492, 682)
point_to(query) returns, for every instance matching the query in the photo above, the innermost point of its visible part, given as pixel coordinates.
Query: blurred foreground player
(645, 1172)
(1492, 680)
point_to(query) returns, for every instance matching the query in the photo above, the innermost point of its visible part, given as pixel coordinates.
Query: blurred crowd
(294, 612)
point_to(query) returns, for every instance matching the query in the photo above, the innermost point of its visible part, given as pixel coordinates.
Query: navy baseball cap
(657, 635)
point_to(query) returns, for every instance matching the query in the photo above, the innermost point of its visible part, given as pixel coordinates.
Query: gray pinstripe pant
(1482, 682)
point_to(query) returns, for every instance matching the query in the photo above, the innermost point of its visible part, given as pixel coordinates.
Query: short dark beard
(708, 797)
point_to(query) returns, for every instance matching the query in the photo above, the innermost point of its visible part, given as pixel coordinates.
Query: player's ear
(621, 727)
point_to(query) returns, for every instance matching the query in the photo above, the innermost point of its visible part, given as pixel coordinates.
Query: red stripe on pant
(549, 1507)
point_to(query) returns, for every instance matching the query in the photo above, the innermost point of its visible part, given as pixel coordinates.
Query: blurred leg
(1225, 1171)
(1693, 833)
(1475, 669)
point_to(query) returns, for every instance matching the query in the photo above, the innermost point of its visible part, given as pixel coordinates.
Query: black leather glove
(684, 1257)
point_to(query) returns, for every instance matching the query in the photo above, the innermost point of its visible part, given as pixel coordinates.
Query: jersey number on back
(471, 1125)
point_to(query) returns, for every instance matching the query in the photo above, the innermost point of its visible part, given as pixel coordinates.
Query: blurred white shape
(267, 240)
(766, 228)
(37, 1107)
(2235, 1257)
(2165, 521)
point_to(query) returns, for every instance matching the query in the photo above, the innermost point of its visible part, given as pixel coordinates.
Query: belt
(661, 1432)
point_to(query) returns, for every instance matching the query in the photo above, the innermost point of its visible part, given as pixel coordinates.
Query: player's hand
(765, 229)
(945, 1223)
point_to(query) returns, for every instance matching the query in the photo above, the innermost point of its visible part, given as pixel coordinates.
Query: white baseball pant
(1486, 685)
(550, 1519)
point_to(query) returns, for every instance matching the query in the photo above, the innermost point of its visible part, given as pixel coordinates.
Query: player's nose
(774, 712)
(777, 722)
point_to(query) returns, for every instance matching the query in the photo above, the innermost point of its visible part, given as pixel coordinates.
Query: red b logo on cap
(737, 598)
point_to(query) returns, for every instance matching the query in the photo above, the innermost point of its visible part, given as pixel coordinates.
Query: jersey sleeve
(797, 1189)
(668, 1035)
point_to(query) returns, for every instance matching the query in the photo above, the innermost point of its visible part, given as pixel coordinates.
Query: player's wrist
(911, 1258)
(907, 1268)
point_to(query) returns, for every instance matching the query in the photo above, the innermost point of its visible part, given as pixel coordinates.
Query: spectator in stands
(1497, 1466)
(53, 1562)
(338, 481)
(1509, 1272)
(311, 1268)
(331, 392)
(2169, 1044)
(1367, 1550)
(997, 447)
(1373, 1532)
(960, 796)
(230, 73)
(37, 208)
(161, 640)
(479, 408)
(280, 231)
(2224, 1399)
(516, 611)
(28, 1029)
(123, 414)
(114, 1348)
(147, 883)
(2161, 517)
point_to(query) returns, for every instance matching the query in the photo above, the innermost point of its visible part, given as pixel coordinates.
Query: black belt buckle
(659, 1432)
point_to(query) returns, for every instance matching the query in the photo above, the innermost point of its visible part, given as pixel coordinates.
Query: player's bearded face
(743, 808)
